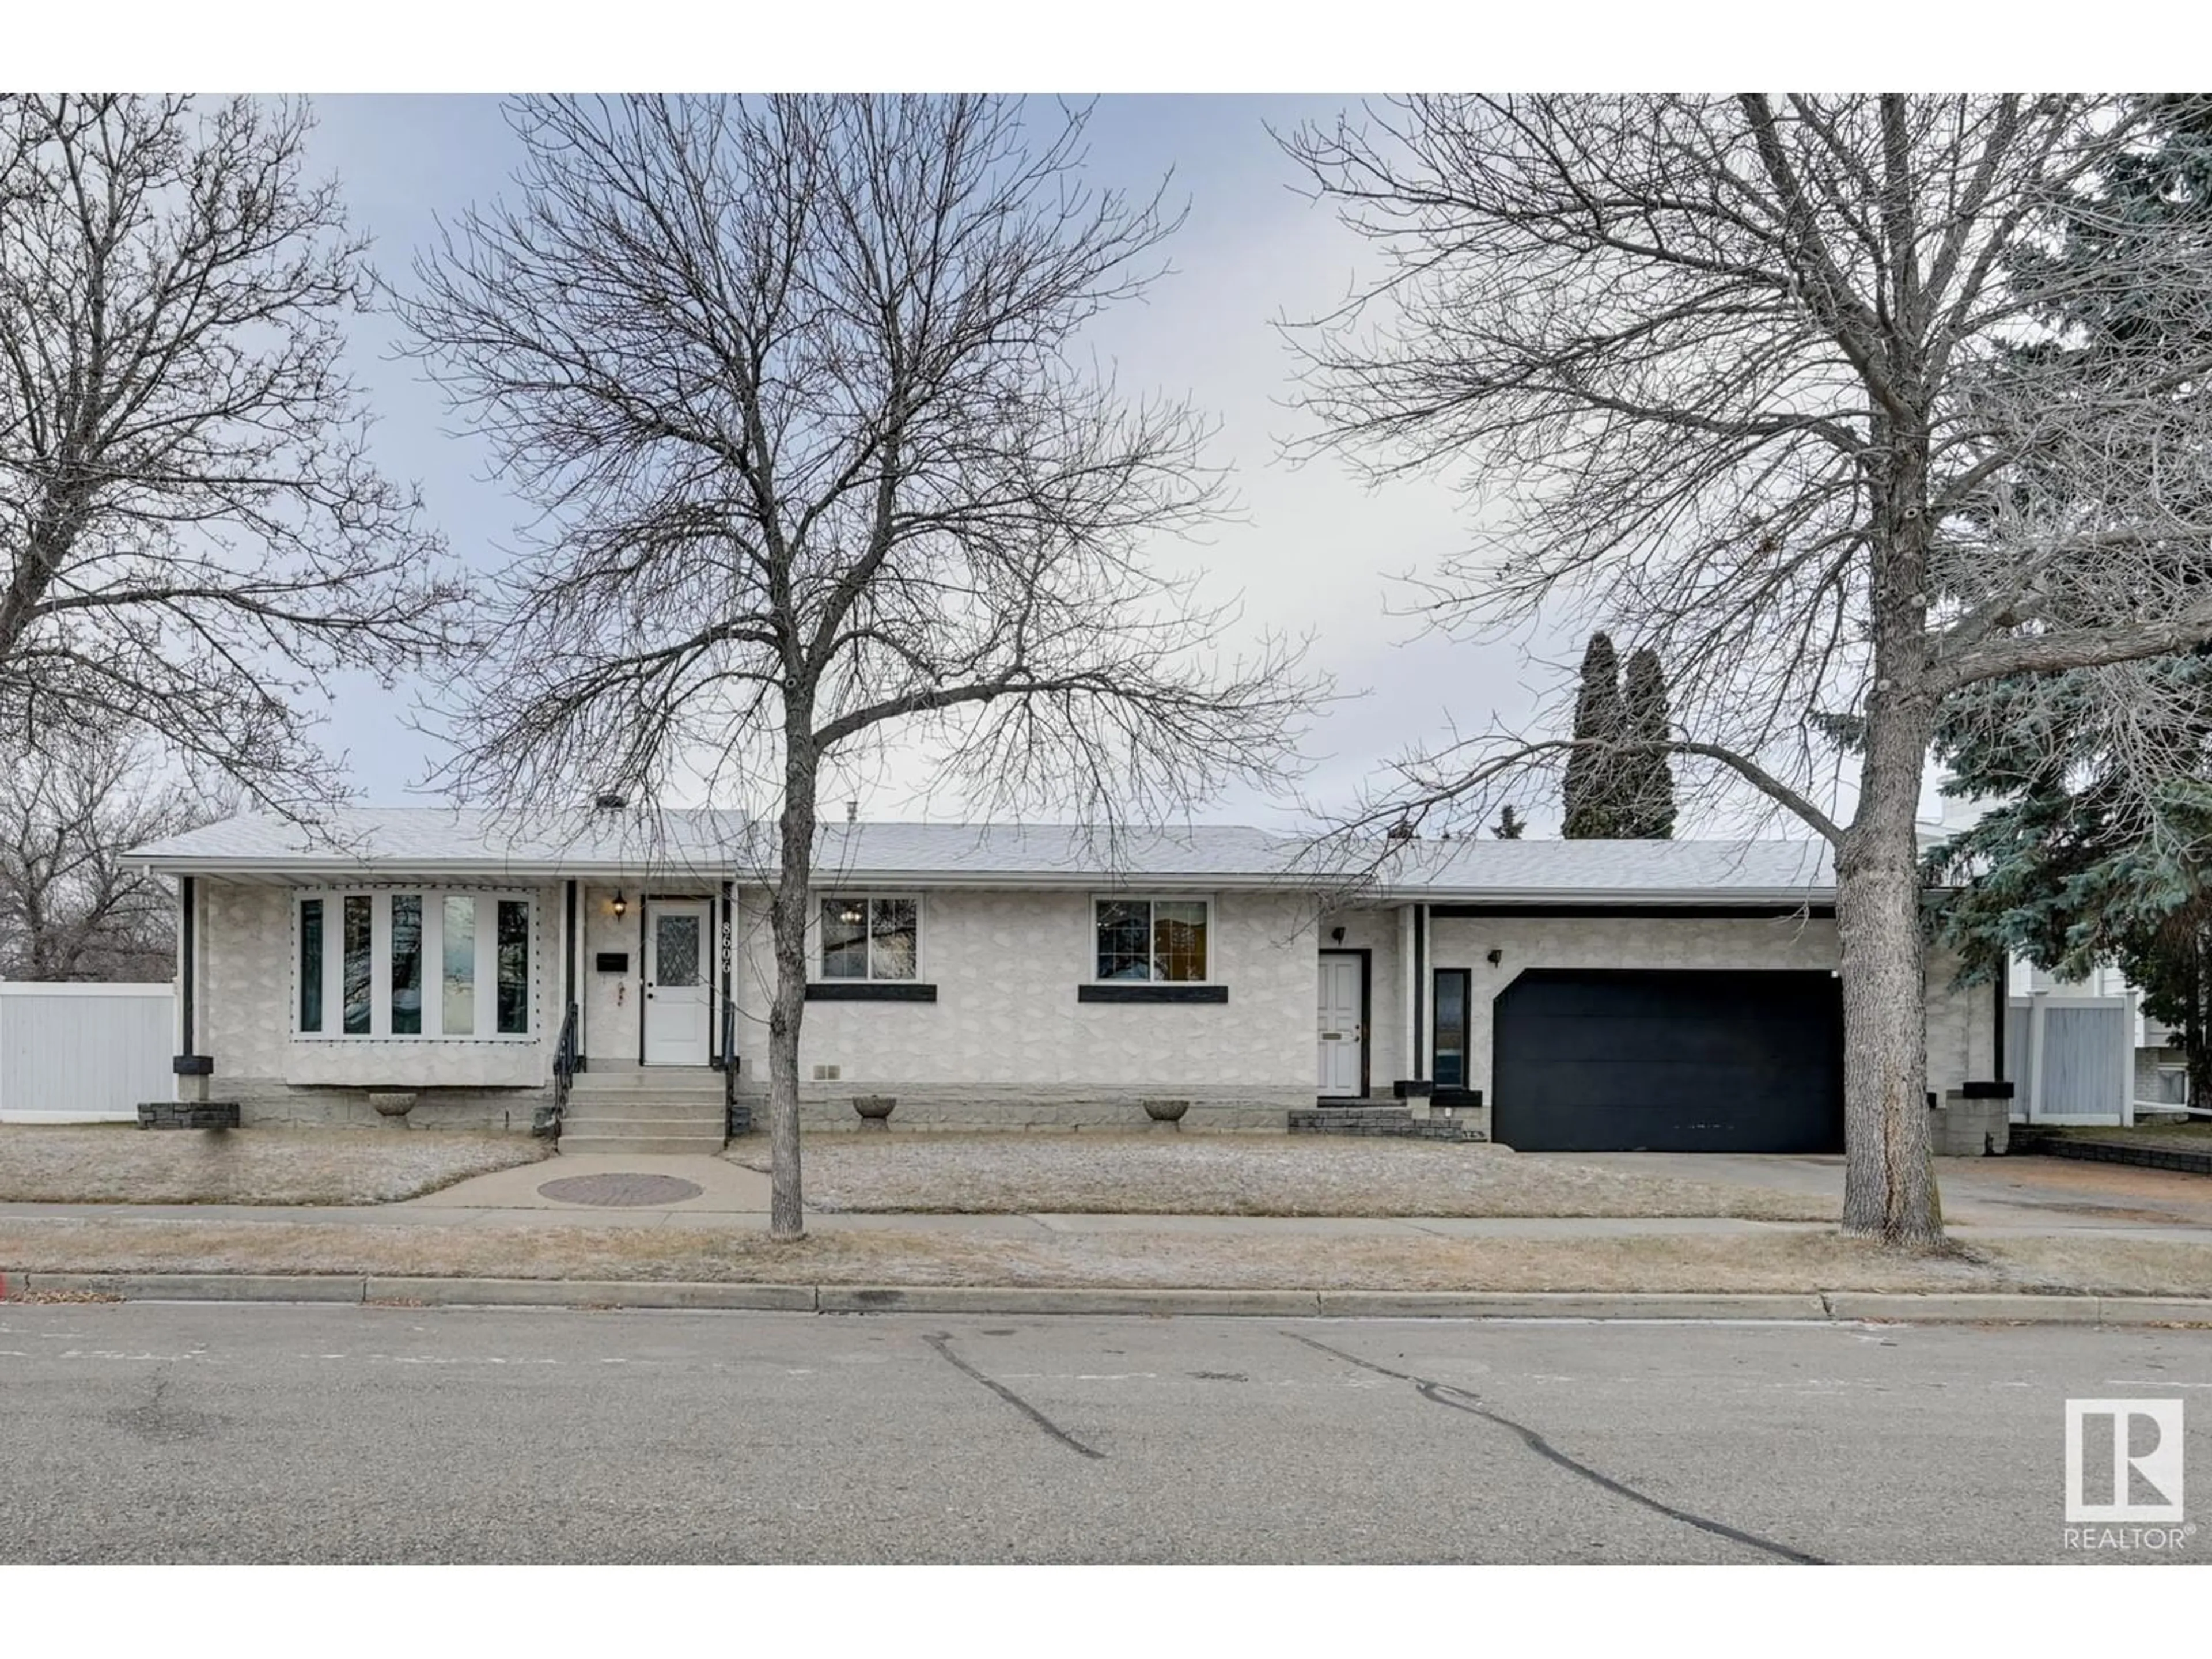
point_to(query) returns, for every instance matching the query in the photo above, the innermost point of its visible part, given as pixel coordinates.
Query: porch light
(622, 905)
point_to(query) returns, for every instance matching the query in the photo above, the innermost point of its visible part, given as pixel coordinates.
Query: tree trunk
(1889, 1182)
(1889, 1179)
(787, 1202)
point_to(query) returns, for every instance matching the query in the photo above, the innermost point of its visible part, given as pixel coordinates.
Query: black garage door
(1589, 1061)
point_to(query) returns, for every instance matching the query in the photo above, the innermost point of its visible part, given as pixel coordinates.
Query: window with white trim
(867, 937)
(1160, 940)
(412, 963)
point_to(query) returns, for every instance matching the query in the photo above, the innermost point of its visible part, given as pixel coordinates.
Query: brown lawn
(121, 1164)
(1784, 1261)
(1243, 1175)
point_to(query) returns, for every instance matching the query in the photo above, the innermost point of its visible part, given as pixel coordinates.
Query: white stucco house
(1553, 994)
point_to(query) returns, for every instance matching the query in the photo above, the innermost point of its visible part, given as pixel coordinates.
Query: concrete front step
(680, 1080)
(576, 1142)
(647, 1123)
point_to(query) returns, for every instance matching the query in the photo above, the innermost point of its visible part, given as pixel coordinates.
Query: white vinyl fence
(84, 1054)
(2072, 1059)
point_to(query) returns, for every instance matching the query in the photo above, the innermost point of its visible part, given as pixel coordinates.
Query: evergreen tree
(2073, 869)
(1591, 791)
(1510, 825)
(1648, 779)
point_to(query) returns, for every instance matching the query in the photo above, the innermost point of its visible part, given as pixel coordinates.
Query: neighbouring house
(1677, 995)
(2102, 1059)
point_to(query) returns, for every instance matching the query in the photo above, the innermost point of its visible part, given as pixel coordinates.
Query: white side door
(677, 1005)
(1341, 1041)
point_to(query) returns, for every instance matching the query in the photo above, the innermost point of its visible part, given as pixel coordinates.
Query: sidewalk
(732, 1198)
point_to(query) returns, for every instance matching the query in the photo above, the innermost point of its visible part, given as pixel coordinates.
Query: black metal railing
(548, 1121)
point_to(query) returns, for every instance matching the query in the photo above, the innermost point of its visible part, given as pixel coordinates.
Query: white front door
(677, 1005)
(1342, 1039)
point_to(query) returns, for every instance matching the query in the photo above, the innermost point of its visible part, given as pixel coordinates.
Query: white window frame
(486, 1005)
(871, 898)
(1212, 976)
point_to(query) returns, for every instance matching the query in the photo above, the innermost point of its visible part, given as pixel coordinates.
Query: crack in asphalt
(1444, 1393)
(942, 1342)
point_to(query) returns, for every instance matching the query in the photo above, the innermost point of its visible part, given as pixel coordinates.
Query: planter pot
(1165, 1111)
(391, 1104)
(874, 1110)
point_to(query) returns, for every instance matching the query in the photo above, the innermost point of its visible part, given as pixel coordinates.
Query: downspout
(189, 1084)
(575, 945)
(2004, 1005)
(1421, 992)
(187, 955)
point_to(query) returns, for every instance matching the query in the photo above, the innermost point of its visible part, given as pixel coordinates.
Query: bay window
(367, 956)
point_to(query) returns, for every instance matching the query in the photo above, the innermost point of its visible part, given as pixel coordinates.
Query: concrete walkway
(733, 1198)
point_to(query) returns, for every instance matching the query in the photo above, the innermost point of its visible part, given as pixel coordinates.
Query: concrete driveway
(2031, 1193)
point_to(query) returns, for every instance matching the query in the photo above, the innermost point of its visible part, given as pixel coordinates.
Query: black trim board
(187, 958)
(1421, 990)
(1137, 991)
(568, 964)
(869, 990)
(2002, 987)
(1623, 912)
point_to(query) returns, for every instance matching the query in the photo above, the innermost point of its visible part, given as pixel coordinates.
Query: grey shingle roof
(976, 850)
(1640, 869)
(437, 837)
(422, 839)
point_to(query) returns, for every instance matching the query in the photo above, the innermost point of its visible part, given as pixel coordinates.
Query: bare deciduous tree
(190, 527)
(70, 908)
(794, 382)
(1748, 381)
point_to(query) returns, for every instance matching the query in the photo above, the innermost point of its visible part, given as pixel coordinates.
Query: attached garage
(1588, 1060)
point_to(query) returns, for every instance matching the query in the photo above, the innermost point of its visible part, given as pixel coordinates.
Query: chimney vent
(609, 800)
(852, 811)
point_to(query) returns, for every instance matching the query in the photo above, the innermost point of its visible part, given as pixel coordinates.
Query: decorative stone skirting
(948, 1109)
(270, 1103)
(2047, 1145)
(188, 1114)
(1396, 1122)
(1966, 1126)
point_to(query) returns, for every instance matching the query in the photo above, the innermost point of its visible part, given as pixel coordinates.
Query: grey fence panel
(2086, 1054)
(2083, 1065)
(78, 1054)
(2020, 1053)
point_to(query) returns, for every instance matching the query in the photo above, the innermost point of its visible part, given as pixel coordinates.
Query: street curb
(1040, 1299)
(1841, 1307)
(1972, 1307)
(1567, 1304)
(590, 1293)
(193, 1287)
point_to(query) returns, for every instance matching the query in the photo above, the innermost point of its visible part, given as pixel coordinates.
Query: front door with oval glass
(676, 1004)
(1343, 1032)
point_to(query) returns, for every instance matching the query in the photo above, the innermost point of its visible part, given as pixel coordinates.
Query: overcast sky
(1312, 549)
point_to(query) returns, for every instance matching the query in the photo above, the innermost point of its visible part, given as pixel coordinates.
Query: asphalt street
(175, 1433)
